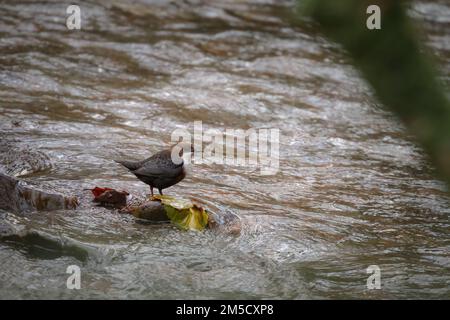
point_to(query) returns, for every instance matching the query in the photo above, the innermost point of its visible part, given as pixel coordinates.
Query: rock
(224, 222)
(19, 161)
(112, 198)
(149, 210)
(18, 197)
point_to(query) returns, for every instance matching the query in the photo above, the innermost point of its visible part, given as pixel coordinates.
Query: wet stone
(20, 161)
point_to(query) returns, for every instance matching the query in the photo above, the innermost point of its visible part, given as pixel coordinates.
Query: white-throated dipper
(163, 169)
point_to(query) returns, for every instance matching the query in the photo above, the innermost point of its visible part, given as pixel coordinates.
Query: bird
(160, 171)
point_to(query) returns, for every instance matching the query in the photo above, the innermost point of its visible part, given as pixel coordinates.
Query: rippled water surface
(353, 189)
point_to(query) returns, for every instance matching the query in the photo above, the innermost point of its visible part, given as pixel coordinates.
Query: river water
(352, 190)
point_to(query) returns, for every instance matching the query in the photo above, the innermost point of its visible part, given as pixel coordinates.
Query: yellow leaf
(193, 218)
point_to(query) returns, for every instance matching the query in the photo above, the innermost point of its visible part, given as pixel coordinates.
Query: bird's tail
(130, 165)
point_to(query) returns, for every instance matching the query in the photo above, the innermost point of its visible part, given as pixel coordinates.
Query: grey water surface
(353, 189)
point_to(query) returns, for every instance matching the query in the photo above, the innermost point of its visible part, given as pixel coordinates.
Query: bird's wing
(130, 165)
(159, 164)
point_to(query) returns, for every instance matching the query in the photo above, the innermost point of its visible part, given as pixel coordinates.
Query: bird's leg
(151, 191)
(160, 191)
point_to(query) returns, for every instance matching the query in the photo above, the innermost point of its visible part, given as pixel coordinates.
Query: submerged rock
(19, 161)
(226, 222)
(15, 194)
(37, 244)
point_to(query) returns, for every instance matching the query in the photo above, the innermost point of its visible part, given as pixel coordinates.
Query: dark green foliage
(394, 63)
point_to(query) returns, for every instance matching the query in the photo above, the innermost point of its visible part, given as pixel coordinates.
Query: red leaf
(97, 191)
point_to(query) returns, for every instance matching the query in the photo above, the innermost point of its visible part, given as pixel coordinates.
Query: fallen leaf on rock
(98, 191)
(110, 197)
(176, 203)
(183, 213)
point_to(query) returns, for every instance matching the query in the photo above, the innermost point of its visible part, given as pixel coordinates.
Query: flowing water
(352, 190)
